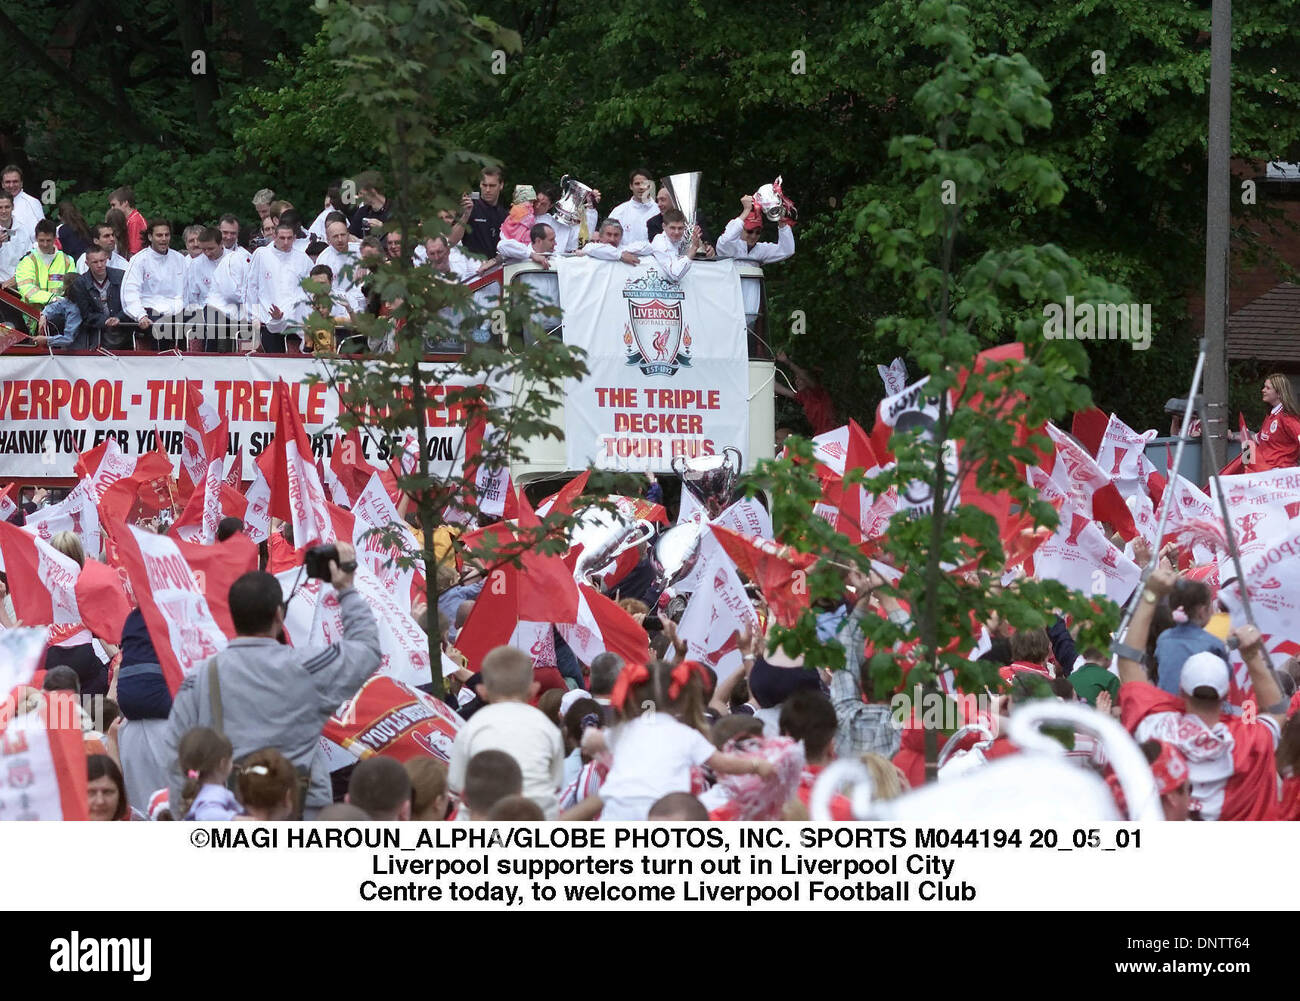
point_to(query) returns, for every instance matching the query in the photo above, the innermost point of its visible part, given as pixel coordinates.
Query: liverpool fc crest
(655, 337)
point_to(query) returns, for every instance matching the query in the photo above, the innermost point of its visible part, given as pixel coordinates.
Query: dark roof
(1267, 329)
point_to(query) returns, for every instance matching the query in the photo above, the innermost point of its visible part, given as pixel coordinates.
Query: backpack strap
(214, 697)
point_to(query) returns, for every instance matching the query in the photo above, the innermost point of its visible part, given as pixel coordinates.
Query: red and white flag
(297, 494)
(832, 449)
(201, 419)
(76, 513)
(391, 718)
(716, 612)
(1193, 521)
(894, 376)
(1123, 457)
(22, 651)
(1260, 506)
(43, 765)
(184, 631)
(1088, 486)
(257, 514)
(203, 512)
(1081, 557)
(9, 501)
(314, 619)
(780, 572)
(1273, 586)
(374, 509)
(42, 584)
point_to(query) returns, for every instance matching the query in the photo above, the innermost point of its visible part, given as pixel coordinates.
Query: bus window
(486, 298)
(545, 289)
(751, 289)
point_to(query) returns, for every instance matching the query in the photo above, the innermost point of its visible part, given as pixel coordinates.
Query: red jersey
(135, 229)
(1277, 445)
(1231, 766)
(817, 407)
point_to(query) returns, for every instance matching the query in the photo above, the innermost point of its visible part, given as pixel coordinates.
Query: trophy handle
(731, 450)
(678, 465)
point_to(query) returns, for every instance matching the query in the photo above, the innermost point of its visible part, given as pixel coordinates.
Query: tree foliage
(981, 116)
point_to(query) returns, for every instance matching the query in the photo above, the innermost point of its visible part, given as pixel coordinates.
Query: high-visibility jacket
(37, 283)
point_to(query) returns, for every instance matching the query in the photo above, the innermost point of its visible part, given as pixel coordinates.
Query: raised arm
(1131, 646)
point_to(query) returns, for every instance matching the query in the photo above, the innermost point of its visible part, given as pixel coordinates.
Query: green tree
(979, 112)
(397, 57)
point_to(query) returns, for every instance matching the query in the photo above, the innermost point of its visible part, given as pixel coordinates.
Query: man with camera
(260, 693)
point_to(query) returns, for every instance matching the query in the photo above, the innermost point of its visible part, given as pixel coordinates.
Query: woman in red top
(1277, 445)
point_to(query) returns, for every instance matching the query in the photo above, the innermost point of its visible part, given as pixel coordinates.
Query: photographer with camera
(260, 693)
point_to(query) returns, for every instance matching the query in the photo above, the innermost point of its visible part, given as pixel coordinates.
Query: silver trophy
(676, 552)
(572, 205)
(684, 189)
(604, 537)
(771, 201)
(711, 479)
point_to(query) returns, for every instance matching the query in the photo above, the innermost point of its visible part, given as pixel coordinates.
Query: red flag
(780, 572)
(102, 601)
(562, 501)
(200, 420)
(88, 462)
(218, 566)
(1089, 426)
(120, 497)
(348, 462)
(235, 475)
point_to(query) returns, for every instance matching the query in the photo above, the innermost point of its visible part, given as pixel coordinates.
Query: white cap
(1204, 669)
(570, 697)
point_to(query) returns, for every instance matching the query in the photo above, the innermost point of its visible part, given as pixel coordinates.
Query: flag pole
(1169, 497)
(1231, 536)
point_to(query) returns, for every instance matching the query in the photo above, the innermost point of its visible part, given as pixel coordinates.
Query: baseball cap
(1204, 669)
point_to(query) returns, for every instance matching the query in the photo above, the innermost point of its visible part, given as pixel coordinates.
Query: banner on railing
(52, 408)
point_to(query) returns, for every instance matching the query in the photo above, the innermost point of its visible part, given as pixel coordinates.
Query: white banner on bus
(668, 362)
(51, 408)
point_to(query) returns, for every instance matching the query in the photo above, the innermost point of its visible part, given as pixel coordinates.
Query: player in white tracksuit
(275, 296)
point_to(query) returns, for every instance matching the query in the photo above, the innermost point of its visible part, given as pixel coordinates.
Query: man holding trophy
(740, 239)
(681, 240)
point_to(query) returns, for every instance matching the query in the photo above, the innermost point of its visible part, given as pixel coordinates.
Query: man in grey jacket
(274, 695)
